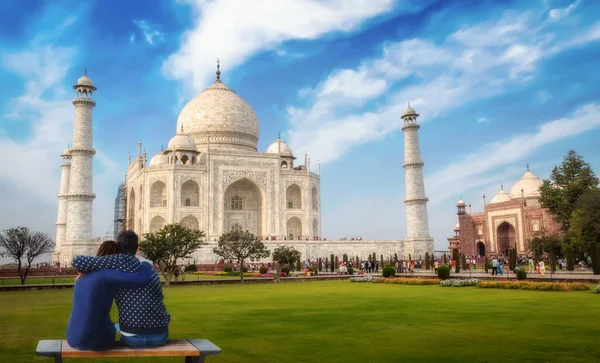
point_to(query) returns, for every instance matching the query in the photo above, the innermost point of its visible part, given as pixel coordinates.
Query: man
(495, 266)
(143, 317)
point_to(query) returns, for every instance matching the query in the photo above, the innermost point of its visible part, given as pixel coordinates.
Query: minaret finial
(502, 186)
(279, 136)
(161, 148)
(218, 70)
(408, 103)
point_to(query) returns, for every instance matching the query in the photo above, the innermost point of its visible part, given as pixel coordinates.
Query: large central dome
(219, 112)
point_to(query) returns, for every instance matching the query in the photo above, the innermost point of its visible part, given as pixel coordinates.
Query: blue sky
(498, 84)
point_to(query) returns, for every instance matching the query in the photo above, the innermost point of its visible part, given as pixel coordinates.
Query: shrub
(426, 260)
(445, 259)
(406, 281)
(521, 274)
(332, 267)
(320, 265)
(190, 268)
(337, 264)
(350, 271)
(512, 259)
(464, 262)
(366, 278)
(486, 264)
(569, 258)
(285, 270)
(539, 286)
(263, 269)
(443, 272)
(245, 269)
(388, 271)
(227, 269)
(459, 282)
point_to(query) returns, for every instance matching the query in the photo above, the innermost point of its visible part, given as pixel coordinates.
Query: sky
(499, 85)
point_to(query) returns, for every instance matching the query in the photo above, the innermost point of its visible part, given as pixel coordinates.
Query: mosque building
(212, 177)
(508, 221)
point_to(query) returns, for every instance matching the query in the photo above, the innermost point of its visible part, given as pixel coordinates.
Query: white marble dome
(219, 112)
(460, 203)
(182, 142)
(529, 183)
(85, 81)
(457, 227)
(280, 147)
(501, 197)
(410, 112)
(159, 159)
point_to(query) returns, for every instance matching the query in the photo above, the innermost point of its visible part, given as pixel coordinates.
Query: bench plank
(173, 348)
(205, 346)
(49, 348)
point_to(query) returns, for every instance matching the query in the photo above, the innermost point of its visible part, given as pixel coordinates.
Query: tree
(464, 261)
(445, 259)
(286, 256)
(320, 267)
(426, 260)
(543, 244)
(241, 246)
(569, 257)
(455, 258)
(512, 259)
(24, 246)
(332, 266)
(566, 184)
(169, 244)
(585, 222)
(594, 255)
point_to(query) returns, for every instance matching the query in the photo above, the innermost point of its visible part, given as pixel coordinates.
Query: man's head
(128, 241)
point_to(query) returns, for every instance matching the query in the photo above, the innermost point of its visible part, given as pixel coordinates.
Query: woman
(90, 327)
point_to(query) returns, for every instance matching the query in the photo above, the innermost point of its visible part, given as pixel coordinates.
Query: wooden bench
(194, 350)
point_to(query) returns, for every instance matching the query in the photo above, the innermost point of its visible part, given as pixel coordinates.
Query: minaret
(61, 221)
(417, 240)
(81, 196)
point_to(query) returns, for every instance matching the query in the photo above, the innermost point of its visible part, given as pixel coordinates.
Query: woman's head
(108, 248)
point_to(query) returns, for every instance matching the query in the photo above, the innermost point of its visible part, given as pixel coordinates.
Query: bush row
(406, 281)
(366, 278)
(540, 286)
(459, 282)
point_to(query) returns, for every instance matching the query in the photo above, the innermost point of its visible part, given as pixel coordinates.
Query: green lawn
(338, 321)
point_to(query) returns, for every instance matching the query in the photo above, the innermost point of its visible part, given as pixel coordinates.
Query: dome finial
(502, 186)
(85, 71)
(218, 70)
(279, 136)
(527, 166)
(161, 148)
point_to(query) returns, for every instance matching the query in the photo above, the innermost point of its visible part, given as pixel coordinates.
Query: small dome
(460, 203)
(529, 183)
(280, 147)
(85, 81)
(410, 112)
(501, 197)
(182, 142)
(159, 159)
(457, 227)
(67, 152)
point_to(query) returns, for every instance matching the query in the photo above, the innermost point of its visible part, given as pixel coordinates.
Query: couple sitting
(117, 273)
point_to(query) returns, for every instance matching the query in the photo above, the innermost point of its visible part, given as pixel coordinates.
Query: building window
(188, 202)
(535, 226)
(164, 203)
(236, 203)
(236, 227)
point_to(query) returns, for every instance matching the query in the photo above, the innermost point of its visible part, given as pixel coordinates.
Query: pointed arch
(236, 227)
(190, 222)
(190, 194)
(315, 199)
(156, 223)
(158, 194)
(315, 228)
(141, 198)
(293, 196)
(244, 203)
(294, 228)
(505, 238)
(131, 204)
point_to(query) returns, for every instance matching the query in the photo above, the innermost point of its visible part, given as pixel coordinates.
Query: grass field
(339, 321)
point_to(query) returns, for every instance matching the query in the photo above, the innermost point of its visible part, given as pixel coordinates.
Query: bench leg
(199, 359)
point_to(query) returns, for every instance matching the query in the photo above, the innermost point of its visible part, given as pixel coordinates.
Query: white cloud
(132, 38)
(558, 14)
(483, 120)
(235, 30)
(472, 170)
(149, 31)
(473, 63)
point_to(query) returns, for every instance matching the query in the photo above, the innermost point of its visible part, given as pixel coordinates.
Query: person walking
(495, 266)
(531, 265)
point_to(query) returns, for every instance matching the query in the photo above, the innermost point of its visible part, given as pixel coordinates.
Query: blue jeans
(150, 340)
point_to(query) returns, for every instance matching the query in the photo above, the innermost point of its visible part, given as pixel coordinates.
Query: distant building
(508, 221)
(119, 221)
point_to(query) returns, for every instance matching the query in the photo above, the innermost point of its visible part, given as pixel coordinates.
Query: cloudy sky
(498, 84)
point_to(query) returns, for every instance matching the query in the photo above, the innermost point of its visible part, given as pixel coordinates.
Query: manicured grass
(338, 321)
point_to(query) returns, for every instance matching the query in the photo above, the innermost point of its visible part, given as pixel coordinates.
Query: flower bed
(367, 278)
(407, 281)
(597, 289)
(459, 282)
(540, 286)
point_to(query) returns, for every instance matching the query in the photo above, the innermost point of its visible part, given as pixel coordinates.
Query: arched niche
(190, 194)
(294, 228)
(158, 194)
(243, 203)
(156, 223)
(293, 196)
(190, 222)
(505, 238)
(315, 228)
(315, 199)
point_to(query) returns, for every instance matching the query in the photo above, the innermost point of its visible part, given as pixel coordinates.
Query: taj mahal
(212, 177)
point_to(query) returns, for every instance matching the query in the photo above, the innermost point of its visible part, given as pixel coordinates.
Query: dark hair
(108, 248)
(128, 241)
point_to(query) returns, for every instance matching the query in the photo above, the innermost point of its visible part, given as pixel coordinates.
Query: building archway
(190, 222)
(505, 238)
(158, 194)
(293, 197)
(315, 199)
(294, 228)
(190, 194)
(480, 248)
(243, 203)
(156, 223)
(315, 228)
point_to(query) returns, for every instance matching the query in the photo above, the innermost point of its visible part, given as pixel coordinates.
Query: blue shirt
(141, 310)
(90, 327)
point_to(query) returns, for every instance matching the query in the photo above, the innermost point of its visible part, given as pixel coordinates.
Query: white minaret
(61, 221)
(417, 241)
(78, 239)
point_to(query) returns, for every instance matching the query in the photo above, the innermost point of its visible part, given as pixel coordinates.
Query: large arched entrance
(480, 248)
(505, 237)
(294, 228)
(243, 207)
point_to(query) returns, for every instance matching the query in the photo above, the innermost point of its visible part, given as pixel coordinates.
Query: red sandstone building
(509, 220)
